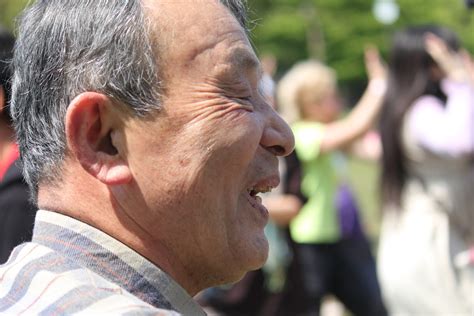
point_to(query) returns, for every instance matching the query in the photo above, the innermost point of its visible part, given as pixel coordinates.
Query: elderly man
(145, 141)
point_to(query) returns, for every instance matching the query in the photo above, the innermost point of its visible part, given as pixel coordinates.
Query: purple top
(445, 130)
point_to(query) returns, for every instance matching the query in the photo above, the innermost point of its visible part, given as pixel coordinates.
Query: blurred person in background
(332, 252)
(16, 213)
(427, 130)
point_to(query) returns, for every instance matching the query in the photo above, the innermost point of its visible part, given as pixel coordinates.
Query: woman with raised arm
(330, 248)
(427, 130)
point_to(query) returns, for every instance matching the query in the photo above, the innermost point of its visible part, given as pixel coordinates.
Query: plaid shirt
(71, 267)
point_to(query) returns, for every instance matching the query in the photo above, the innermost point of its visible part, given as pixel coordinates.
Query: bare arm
(282, 208)
(343, 132)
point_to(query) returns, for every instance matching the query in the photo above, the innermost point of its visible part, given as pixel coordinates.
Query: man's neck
(79, 196)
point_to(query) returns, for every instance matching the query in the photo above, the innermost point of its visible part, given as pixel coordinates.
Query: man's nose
(277, 136)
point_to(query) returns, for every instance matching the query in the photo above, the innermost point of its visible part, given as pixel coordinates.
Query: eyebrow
(246, 60)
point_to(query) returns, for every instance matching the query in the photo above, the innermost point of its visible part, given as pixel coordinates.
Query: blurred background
(335, 32)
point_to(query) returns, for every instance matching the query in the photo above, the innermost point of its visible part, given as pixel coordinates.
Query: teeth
(255, 191)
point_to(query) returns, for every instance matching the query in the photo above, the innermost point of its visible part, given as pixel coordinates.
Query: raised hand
(451, 63)
(376, 71)
(374, 64)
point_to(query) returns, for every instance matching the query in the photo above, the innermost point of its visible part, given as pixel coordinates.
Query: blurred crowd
(416, 118)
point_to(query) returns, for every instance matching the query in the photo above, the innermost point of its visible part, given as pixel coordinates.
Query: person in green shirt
(332, 259)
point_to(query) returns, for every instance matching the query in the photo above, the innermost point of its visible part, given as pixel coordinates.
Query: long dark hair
(410, 76)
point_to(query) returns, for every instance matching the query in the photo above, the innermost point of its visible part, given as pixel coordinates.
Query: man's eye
(245, 99)
(244, 102)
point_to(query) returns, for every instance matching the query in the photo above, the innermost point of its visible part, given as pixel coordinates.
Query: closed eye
(245, 99)
(246, 102)
(242, 100)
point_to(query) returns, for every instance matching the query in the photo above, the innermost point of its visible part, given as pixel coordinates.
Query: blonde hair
(306, 81)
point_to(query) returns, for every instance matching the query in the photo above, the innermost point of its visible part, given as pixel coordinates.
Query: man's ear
(93, 127)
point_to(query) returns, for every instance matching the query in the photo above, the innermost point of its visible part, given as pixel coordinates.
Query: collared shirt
(73, 268)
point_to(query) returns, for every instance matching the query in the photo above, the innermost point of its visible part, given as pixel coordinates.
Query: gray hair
(66, 47)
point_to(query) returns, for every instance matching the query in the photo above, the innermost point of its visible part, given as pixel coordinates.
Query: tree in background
(336, 31)
(9, 9)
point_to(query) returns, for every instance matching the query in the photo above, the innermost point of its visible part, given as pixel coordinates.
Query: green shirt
(317, 222)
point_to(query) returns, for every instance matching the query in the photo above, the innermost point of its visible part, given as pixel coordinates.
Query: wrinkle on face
(210, 104)
(231, 38)
(231, 86)
(195, 161)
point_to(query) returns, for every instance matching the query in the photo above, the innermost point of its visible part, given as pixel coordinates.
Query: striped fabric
(71, 268)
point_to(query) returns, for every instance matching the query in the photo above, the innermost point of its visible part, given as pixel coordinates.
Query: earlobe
(114, 174)
(90, 123)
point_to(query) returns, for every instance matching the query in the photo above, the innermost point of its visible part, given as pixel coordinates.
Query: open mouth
(256, 201)
(254, 191)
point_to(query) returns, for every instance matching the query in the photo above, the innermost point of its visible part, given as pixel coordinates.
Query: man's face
(198, 163)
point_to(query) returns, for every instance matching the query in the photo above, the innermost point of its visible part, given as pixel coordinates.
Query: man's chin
(261, 253)
(251, 260)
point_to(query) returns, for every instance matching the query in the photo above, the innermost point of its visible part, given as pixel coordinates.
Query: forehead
(199, 30)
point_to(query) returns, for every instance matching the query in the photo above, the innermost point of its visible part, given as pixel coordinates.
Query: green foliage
(336, 31)
(282, 33)
(9, 9)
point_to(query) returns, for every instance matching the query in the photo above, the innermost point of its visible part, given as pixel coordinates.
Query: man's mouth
(264, 185)
(254, 191)
(261, 187)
